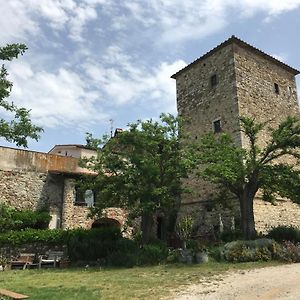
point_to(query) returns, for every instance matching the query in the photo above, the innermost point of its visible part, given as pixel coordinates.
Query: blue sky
(90, 61)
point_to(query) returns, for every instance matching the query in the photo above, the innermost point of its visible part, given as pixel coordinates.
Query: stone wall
(255, 79)
(74, 216)
(201, 104)
(267, 215)
(31, 190)
(209, 219)
(245, 87)
(33, 180)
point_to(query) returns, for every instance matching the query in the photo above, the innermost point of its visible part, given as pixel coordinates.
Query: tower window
(217, 126)
(276, 88)
(213, 80)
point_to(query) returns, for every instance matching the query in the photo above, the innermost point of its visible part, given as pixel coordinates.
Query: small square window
(276, 88)
(213, 80)
(217, 126)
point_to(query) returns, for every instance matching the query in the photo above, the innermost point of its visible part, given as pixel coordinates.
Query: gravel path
(281, 282)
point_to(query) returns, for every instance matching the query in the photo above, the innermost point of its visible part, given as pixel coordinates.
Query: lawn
(108, 283)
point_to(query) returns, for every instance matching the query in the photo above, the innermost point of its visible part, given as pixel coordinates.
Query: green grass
(95, 283)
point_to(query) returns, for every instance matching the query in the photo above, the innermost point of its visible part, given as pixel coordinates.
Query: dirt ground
(281, 282)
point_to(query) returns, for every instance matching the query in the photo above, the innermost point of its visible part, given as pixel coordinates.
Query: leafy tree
(140, 170)
(243, 171)
(20, 128)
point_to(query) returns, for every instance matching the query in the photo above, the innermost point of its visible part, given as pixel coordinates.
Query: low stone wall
(285, 212)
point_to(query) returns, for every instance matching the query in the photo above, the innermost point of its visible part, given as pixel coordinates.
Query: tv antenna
(111, 122)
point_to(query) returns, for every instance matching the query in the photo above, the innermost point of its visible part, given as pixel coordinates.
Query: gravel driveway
(281, 282)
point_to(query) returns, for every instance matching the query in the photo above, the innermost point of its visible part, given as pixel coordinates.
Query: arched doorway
(106, 223)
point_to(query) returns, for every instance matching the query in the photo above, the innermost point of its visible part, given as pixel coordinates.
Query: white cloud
(124, 81)
(62, 97)
(176, 20)
(16, 24)
(83, 14)
(25, 18)
(179, 20)
(56, 99)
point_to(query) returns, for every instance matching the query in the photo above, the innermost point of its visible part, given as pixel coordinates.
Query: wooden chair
(25, 260)
(51, 259)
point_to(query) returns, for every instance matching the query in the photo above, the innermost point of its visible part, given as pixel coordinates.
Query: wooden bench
(24, 260)
(12, 295)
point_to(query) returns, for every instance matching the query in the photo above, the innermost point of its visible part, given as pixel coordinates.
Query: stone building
(232, 80)
(34, 180)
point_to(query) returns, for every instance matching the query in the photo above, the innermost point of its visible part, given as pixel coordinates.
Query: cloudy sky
(92, 61)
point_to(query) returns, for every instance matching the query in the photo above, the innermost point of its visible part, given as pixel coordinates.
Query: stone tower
(232, 80)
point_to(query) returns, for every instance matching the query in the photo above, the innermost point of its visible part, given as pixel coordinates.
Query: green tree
(20, 128)
(244, 171)
(140, 170)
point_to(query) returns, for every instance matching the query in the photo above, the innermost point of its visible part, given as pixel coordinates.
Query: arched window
(89, 198)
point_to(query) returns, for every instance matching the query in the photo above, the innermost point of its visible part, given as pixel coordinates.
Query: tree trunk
(247, 214)
(147, 227)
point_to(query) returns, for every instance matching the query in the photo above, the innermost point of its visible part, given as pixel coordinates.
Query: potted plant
(184, 230)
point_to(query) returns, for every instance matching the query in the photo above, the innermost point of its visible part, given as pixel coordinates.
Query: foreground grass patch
(95, 283)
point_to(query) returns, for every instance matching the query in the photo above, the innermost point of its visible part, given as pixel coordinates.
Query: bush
(244, 251)
(29, 236)
(290, 252)
(152, 254)
(125, 254)
(285, 233)
(215, 253)
(92, 244)
(13, 219)
(104, 245)
(129, 254)
(81, 244)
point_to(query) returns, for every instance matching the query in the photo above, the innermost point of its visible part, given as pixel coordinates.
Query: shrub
(152, 254)
(13, 219)
(244, 251)
(104, 245)
(29, 236)
(129, 254)
(81, 244)
(125, 254)
(285, 233)
(215, 253)
(290, 252)
(92, 244)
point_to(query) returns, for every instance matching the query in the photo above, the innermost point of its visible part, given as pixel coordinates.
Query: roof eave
(234, 39)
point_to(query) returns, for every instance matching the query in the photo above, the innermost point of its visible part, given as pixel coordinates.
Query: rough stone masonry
(232, 80)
